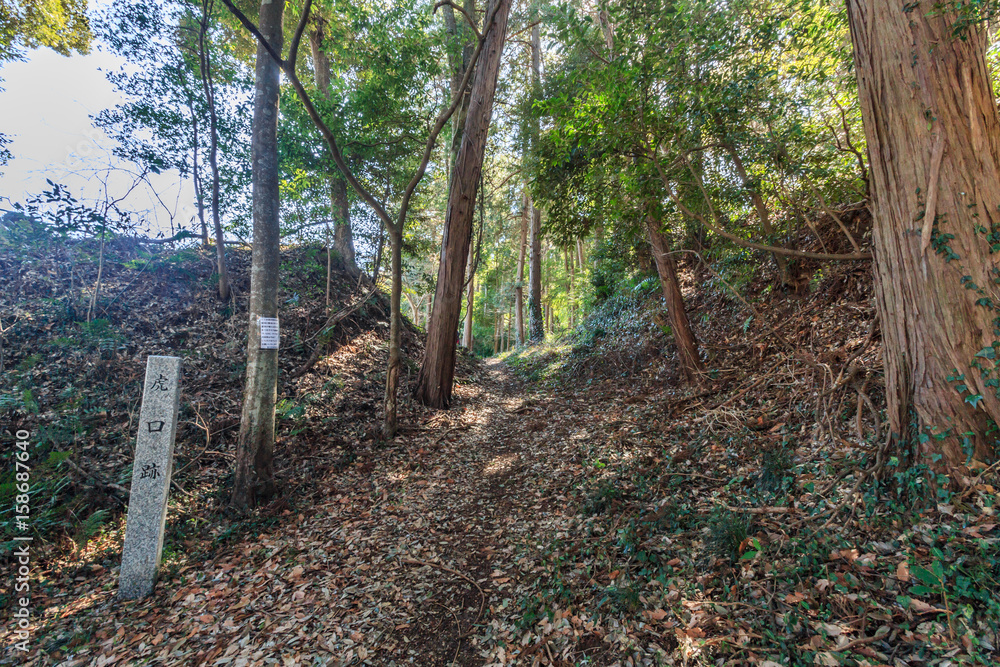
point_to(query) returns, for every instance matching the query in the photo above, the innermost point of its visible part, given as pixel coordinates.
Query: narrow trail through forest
(454, 528)
(419, 554)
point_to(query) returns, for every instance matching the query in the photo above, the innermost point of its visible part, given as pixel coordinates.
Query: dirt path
(417, 554)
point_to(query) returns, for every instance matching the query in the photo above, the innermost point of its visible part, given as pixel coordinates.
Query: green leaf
(925, 576)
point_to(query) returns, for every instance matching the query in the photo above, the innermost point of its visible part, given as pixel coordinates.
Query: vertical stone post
(154, 454)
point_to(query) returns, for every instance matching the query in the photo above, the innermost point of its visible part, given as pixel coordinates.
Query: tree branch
(472, 24)
(293, 49)
(288, 67)
(252, 29)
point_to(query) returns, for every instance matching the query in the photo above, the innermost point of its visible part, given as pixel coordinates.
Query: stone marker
(154, 455)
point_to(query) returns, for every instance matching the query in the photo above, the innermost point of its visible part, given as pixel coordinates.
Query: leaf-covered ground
(575, 506)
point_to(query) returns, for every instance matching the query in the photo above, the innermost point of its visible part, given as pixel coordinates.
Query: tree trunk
(684, 339)
(536, 321)
(213, 151)
(461, 35)
(469, 304)
(343, 235)
(497, 328)
(506, 347)
(329, 266)
(198, 196)
(392, 373)
(519, 289)
(254, 474)
(570, 255)
(934, 144)
(434, 384)
(340, 208)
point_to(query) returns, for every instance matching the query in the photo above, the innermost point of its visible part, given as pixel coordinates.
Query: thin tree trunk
(389, 424)
(499, 334)
(434, 383)
(684, 338)
(340, 209)
(519, 289)
(254, 473)
(572, 287)
(510, 319)
(213, 151)
(469, 304)
(100, 272)
(934, 144)
(536, 321)
(329, 265)
(198, 196)
(343, 235)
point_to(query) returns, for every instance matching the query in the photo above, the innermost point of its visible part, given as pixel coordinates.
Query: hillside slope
(76, 386)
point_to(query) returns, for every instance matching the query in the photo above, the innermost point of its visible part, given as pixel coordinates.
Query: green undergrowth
(920, 571)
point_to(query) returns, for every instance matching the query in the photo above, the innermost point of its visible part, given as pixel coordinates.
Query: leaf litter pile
(574, 506)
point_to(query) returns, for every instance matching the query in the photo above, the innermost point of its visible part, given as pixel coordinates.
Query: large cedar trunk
(934, 146)
(254, 475)
(684, 339)
(434, 383)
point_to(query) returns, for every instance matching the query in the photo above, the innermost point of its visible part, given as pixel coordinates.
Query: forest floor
(575, 506)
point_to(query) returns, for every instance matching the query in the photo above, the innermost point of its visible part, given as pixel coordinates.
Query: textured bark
(434, 383)
(254, 474)
(340, 209)
(934, 144)
(459, 55)
(519, 290)
(684, 338)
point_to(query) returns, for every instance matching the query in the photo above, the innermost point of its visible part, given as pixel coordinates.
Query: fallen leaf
(656, 614)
